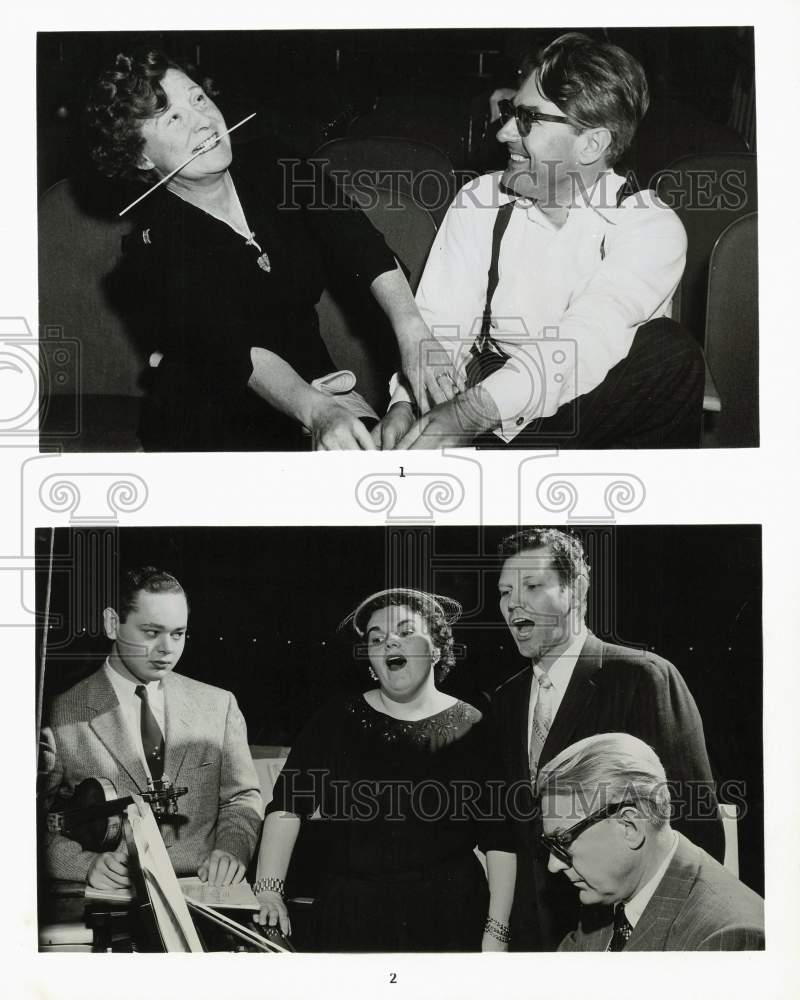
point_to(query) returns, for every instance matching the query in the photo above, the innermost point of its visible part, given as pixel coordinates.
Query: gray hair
(608, 768)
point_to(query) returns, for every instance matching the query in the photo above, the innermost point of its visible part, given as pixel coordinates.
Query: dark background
(433, 85)
(266, 604)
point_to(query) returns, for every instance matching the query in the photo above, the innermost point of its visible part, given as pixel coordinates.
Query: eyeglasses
(526, 117)
(558, 844)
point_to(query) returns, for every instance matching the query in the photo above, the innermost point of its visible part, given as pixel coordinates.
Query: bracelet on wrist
(500, 932)
(269, 885)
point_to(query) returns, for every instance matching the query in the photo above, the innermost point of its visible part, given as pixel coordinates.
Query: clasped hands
(446, 416)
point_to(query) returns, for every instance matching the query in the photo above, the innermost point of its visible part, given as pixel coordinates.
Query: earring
(437, 655)
(372, 674)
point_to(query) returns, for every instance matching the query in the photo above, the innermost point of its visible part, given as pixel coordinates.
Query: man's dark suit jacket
(612, 689)
(697, 906)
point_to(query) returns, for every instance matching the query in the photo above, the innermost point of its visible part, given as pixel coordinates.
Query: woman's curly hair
(437, 612)
(124, 96)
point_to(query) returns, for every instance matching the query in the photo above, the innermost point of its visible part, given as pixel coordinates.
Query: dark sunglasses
(558, 844)
(526, 117)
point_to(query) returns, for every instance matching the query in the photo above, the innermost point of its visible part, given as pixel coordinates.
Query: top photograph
(397, 239)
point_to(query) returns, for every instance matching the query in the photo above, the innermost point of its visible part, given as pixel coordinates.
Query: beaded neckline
(434, 731)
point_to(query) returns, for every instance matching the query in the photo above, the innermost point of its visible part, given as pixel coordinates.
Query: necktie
(622, 929)
(543, 712)
(152, 737)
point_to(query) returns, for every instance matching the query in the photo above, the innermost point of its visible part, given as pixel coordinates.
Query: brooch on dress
(262, 260)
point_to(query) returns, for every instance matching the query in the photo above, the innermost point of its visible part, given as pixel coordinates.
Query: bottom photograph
(400, 739)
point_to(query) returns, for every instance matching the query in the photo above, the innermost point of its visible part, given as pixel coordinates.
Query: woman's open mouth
(395, 661)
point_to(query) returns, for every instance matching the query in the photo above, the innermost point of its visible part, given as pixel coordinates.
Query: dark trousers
(653, 398)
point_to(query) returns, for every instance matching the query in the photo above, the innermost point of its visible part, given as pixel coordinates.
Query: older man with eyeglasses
(554, 280)
(644, 887)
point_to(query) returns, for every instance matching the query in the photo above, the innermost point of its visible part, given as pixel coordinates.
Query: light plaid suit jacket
(206, 751)
(698, 906)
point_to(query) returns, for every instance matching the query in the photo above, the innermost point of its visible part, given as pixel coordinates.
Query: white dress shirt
(569, 300)
(635, 906)
(131, 705)
(559, 672)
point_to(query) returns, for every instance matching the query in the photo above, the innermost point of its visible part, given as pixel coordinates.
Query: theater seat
(409, 166)
(708, 192)
(78, 247)
(731, 336)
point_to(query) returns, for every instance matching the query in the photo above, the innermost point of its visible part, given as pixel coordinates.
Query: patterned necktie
(152, 737)
(622, 929)
(543, 712)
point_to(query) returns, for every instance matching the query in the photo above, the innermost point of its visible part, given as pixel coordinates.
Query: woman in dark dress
(404, 772)
(221, 282)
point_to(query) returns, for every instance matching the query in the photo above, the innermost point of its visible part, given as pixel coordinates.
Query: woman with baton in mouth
(223, 270)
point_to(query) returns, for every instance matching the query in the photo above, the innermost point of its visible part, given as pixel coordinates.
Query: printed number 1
(402, 476)
(392, 977)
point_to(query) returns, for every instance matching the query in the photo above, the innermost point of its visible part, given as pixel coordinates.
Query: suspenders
(486, 356)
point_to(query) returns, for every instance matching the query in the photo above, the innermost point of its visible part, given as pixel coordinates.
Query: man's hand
(427, 366)
(221, 868)
(398, 421)
(454, 424)
(334, 428)
(110, 870)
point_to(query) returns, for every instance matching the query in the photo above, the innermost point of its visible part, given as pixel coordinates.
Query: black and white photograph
(471, 739)
(398, 239)
(421, 724)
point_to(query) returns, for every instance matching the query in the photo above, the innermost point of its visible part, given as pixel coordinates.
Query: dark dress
(407, 804)
(193, 289)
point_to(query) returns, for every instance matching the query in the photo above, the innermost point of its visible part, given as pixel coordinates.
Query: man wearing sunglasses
(576, 685)
(644, 887)
(568, 341)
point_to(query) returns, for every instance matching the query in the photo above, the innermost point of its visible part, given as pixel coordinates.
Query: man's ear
(634, 827)
(110, 623)
(594, 145)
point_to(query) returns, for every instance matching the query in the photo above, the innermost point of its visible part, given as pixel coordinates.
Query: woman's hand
(334, 428)
(273, 912)
(398, 421)
(427, 365)
(491, 943)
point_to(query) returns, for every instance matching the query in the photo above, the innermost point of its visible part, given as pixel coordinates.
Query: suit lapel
(178, 710)
(519, 723)
(577, 697)
(652, 930)
(110, 728)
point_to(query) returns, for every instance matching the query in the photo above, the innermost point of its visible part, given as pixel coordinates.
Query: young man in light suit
(134, 720)
(644, 887)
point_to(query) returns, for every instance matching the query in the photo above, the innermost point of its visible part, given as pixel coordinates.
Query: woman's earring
(372, 674)
(437, 655)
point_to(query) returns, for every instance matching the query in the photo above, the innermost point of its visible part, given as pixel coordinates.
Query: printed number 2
(392, 977)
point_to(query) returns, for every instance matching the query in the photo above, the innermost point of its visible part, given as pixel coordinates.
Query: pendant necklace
(262, 260)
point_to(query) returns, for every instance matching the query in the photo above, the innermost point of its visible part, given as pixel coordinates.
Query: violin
(94, 816)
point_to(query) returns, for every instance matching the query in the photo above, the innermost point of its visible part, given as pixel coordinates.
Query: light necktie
(622, 929)
(543, 712)
(152, 737)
